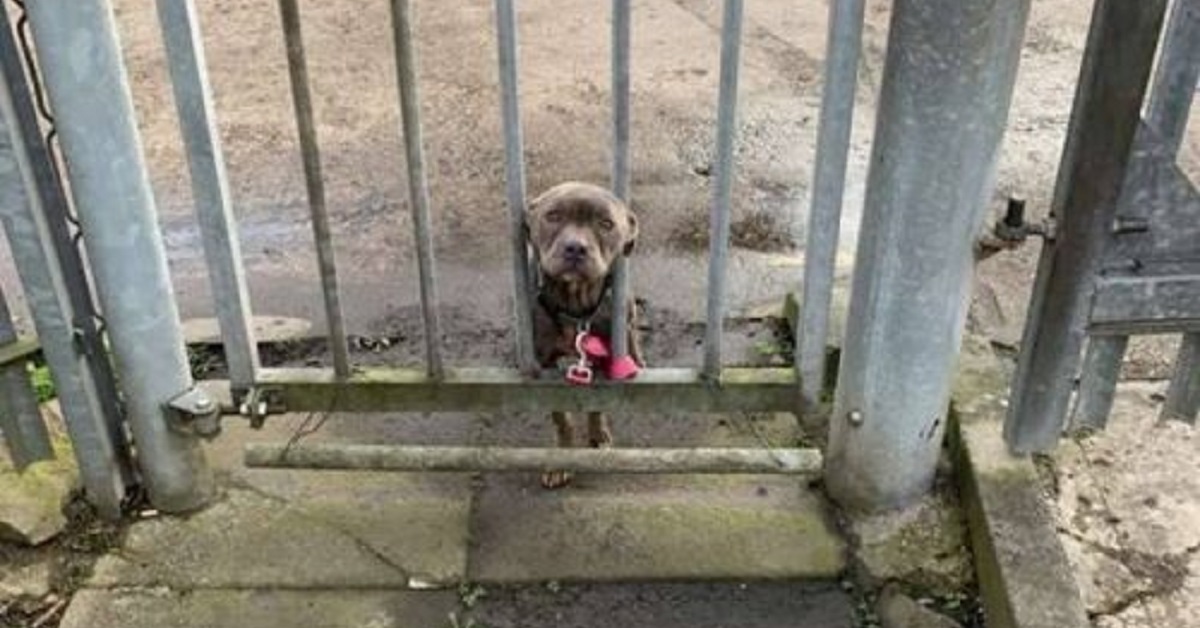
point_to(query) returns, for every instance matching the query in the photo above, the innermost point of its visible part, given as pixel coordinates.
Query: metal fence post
(951, 66)
(621, 26)
(56, 292)
(1170, 104)
(1106, 115)
(210, 189)
(514, 181)
(723, 175)
(20, 417)
(829, 183)
(88, 89)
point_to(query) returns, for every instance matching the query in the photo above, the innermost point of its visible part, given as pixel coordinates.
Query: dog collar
(580, 321)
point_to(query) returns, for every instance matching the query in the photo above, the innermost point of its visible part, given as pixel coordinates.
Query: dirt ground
(565, 102)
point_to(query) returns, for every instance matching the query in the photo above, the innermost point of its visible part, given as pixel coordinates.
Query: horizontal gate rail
(508, 390)
(529, 459)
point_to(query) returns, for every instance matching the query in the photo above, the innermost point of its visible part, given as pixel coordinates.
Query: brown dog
(577, 231)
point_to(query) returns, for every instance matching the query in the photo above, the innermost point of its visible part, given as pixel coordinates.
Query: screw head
(855, 417)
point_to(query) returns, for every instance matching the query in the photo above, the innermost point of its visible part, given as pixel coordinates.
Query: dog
(576, 232)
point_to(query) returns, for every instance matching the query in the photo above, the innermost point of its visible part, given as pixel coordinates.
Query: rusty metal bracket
(1013, 230)
(195, 412)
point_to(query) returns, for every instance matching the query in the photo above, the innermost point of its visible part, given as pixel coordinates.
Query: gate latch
(1012, 230)
(196, 412)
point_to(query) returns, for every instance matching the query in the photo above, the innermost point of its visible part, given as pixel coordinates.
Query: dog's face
(578, 230)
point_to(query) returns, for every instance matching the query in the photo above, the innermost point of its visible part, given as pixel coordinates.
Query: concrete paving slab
(165, 608)
(612, 530)
(349, 531)
(1126, 503)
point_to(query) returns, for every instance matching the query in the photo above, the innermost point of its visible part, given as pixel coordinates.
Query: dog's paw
(601, 439)
(555, 479)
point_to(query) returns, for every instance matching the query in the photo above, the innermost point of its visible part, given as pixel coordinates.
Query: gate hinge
(195, 412)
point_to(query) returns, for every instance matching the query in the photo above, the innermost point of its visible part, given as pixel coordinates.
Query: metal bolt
(855, 417)
(202, 405)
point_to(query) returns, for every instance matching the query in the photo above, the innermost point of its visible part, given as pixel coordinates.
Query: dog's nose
(575, 250)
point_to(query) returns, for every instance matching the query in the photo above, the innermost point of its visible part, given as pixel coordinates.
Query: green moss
(43, 384)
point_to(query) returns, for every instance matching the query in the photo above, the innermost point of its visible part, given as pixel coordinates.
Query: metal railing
(1124, 261)
(92, 100)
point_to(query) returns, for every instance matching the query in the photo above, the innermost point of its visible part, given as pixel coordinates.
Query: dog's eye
(607, 224)
(553, 217)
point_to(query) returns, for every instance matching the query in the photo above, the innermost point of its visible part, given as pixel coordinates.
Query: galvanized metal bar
(21, 420)
(1170, 103)
(843, 45)
(510, 390)
(1178, 71)
(1183, 394)
(1106, 115)
(527, 459)
(310, 151)
(88, 89)
(51, 202)
(1170, 106)
(210, 188)
(27, 189)
(514, 176)
(947, 87)
(620, 162)
(418, 185)
(723, 174)
(1098, 381)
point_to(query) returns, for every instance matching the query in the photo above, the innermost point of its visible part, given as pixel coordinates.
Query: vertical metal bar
(315, 184)
(1108, 101)
(620, 162)
(1170, 104)
(20, 418)
(88, 88)
(1098, 381)
(55, 290)
(843, 46)
(731, 47)
(210, 189)
(1183, 394)
(514, 172)
(1178, 72)
(418, 185)
(51, 206)
(947, 87)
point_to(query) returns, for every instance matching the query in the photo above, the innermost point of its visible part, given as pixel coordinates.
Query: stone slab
(685, 527)
(207, 331)
(164, 608)
(338, 530)
(1024, 576)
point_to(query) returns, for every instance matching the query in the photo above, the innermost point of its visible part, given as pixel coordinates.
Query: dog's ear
(632, 235)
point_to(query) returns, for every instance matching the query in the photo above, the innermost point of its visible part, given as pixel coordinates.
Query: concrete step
(667, 605)
(161, 607)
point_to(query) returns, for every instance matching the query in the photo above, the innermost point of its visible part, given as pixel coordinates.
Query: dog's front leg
(599, 434)
(565, 431)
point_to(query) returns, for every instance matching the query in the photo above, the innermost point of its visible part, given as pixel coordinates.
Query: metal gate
(945, 95)
(1125, 258)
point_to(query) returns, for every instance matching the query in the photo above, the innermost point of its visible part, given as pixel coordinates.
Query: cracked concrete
(1127, 504)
